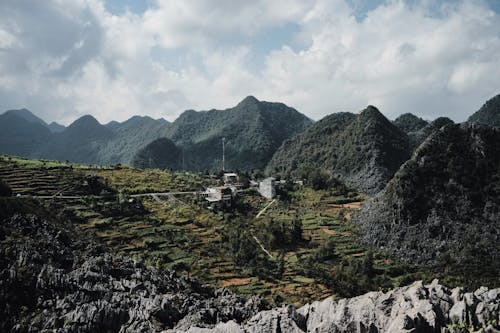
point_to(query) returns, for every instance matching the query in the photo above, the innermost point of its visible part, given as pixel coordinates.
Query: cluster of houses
(222, 196)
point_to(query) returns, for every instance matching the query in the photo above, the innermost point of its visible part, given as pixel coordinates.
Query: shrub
(5, 190)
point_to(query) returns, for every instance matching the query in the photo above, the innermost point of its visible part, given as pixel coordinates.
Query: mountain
(363, 150)
(79, 142)
(408, 122)
(253, 131)
(129, 137)
(417, 137)
(26, 115)
(55, 127)
(444, 203)
(19, 136)
(159, 154)
(488, 114)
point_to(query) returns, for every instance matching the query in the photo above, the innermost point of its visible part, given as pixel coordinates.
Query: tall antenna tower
(223, 152)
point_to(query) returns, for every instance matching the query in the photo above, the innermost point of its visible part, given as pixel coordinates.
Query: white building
(230, 178)
(267, 188)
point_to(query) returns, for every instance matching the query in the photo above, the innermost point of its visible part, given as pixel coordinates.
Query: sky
(113, 59)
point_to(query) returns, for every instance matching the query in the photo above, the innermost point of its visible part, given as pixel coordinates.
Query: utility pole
(223, 153)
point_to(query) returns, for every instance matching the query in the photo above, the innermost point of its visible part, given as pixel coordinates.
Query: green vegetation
(408, 122)
(303, 247)
(488, 114)
(253, 131)
(442, 207)
(159, 154)
(364, 151)
(5, 190)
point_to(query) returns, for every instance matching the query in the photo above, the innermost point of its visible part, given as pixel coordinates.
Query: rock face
(444, 203)
(415, 308)
(52, 278)
(362, 150)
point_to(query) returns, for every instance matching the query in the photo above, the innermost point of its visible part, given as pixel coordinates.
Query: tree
(5, 190)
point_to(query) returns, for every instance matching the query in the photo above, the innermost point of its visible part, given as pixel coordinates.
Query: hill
(159, 154)
(253, 130)
(408, 122)
(362, 150)
(443, 205)
(488, 114)
(129, 137)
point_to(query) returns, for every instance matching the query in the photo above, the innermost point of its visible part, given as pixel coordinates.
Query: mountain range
(253, 131)
(364, 150)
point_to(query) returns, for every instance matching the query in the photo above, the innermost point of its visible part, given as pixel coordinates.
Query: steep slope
(129, 137)
(21, 137)
(253, 131)
(488, 114)
(444, 203)
(159, 154)
(408, 122)
(362, 150)
(79, 142)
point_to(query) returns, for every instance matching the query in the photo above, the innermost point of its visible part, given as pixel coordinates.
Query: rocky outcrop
(443, 204)
(415, 308)
(53, 279)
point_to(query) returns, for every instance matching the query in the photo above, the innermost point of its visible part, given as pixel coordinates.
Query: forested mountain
(417, 137)
(253, 131)
(444, 203)
(363, 150)
(489, 113)
(79, 142)
(21, 137)
(408, 122)
(129, 137)
(159, 154)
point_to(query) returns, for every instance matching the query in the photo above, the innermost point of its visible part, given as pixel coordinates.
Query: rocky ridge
(415, 308)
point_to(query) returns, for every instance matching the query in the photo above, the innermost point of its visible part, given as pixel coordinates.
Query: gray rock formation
(415, 308)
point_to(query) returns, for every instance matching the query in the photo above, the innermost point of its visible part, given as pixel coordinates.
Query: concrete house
(267, 188)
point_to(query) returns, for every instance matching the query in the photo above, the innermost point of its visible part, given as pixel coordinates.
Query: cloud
(63, 58)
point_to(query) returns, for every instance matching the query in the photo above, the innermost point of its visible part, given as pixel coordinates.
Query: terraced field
(178, 232)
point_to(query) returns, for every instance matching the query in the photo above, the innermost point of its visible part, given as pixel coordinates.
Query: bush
(5, 190)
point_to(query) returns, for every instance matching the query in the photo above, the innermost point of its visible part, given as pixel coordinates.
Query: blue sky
(117, 58)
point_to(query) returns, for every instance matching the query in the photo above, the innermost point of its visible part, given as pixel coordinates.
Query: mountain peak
(408, 122)
(26, 115)
(249, 100)
(86, 120)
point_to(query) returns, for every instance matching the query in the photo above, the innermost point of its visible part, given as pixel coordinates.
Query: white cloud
(63, 58)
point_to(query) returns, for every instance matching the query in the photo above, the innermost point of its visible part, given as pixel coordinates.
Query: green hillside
(362, 150)
(253, 131)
